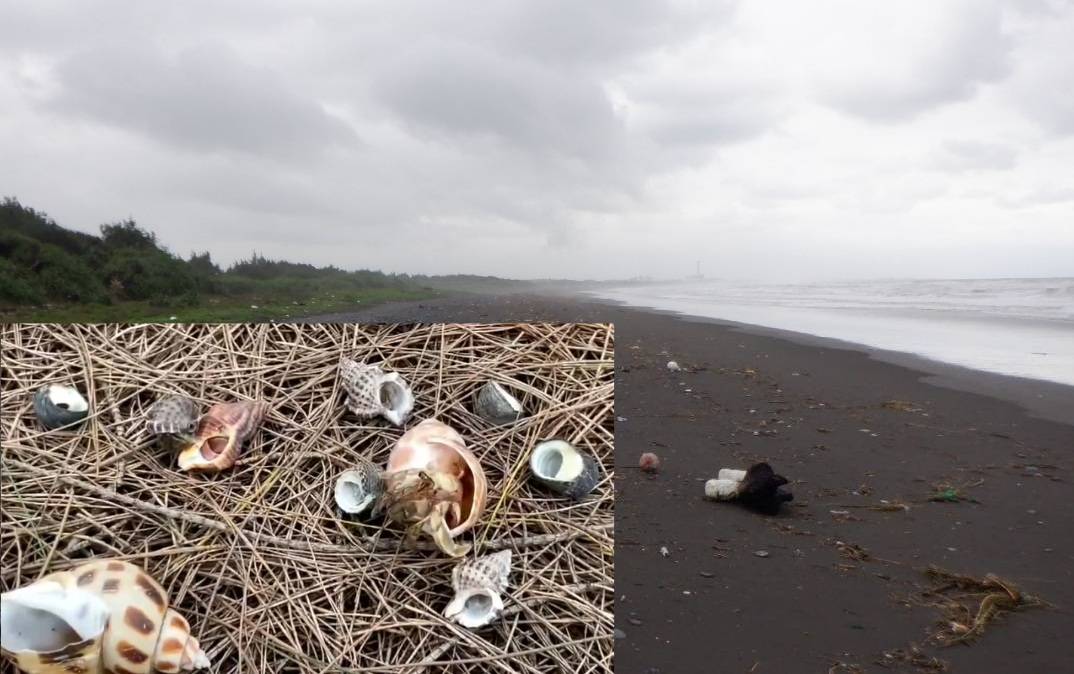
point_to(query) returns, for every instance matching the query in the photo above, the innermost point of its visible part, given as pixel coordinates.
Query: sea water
(1021, 327)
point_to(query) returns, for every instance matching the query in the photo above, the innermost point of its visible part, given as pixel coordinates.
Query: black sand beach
(835, 590)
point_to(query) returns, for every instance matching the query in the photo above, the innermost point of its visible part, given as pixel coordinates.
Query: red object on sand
(649, 462)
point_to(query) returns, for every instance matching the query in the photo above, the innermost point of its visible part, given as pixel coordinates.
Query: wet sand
(816, 410)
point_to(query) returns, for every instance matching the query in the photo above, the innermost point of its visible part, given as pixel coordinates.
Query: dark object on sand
(649, 462)
(758, 488)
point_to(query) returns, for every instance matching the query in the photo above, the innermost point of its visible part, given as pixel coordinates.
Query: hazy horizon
(534, 140)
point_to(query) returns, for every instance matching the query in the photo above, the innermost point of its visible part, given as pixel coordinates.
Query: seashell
(57, 406)
(220, 435)
(559, 466)
(372, 392)
(478, 585)
(496, 405)
(434, 485)
(104, 616)
(173, 419)
(673, 366)
(359, 489)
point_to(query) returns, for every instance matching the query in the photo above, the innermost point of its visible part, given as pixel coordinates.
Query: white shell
(371, 391)
(359, 489)
(673, 366)
(479, 584)
(42, 617)
(563, 469)
(721, 490)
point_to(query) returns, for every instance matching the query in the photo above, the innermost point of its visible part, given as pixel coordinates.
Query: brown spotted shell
(220, 435)
(142, 633)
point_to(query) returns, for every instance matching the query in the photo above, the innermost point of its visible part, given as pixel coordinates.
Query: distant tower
(697, 276)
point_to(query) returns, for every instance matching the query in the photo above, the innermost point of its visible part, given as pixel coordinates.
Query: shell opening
(214, 447)
(475, 607)
(392, 395)
(47, 617)
(351, 494)
(67, 398)
(556, 460)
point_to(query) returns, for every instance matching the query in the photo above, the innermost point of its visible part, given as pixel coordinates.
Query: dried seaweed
(969, 604)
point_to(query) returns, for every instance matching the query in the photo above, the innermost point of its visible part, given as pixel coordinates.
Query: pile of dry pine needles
(255, 557)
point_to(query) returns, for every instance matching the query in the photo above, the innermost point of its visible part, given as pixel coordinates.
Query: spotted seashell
(173, 415)
(359, 489)
(479, 584)
(371, 392)
(104, 616)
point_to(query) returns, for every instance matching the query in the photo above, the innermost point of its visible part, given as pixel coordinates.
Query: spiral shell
(220, 435)
(359, 489)
(557, 465)
(435, 485)
(496, 405)
(57, 406)
(479, 584)
(104, 616)
(173, 415)
(372, 392)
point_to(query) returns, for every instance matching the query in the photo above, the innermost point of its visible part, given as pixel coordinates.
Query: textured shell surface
(220, 435)
(479, 584)
(141, 633)
(57, 405)
(434, 481)
(371, 392)
(558, 465)
(497, 405)
(173, 415)
(358, 490)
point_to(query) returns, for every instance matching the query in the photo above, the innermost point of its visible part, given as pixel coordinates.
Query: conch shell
(104, 616)
(435, 485)
(371, 391)
(220, 435)
(478, 585)
(359, 489)
(57, 406)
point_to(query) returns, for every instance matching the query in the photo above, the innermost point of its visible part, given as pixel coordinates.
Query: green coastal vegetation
(50, 273)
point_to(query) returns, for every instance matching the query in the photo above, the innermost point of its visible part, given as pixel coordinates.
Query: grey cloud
(968, 155)
(202, 98)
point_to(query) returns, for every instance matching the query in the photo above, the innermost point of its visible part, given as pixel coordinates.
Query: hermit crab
(434, 485)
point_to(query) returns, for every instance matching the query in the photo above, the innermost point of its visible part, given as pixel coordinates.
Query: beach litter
(947, 493)
(758, 488)
(673, 366)
(649, 462)
(969, 604)
(913, 657)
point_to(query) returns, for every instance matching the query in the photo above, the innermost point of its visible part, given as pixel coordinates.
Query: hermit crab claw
(435, 485)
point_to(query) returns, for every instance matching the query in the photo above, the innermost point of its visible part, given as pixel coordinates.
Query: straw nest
(270, 579)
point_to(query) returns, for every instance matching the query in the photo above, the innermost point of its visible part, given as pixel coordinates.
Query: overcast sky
(556, 138)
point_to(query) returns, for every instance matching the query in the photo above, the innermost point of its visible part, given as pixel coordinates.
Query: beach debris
(758, 488)
(220, 435)
(434, 485)
(649, 462)
(761, 553)
(100, 616)
(559, 466)
(496, 405)
(945, 492)
(359, 489)
(969, 604)
(914, 657)
(900, 406)
(673, 366)
(373, 392)
(664, 551)
(57, 405)
(478, 585)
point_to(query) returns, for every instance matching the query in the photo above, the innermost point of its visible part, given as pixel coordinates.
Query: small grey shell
(57, 406)
(358, 490)
(496, 405)
(173, 415)
(560, 467)
(371, 391)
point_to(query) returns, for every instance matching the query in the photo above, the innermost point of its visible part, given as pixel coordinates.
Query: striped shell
(220, 436)
(104, 616)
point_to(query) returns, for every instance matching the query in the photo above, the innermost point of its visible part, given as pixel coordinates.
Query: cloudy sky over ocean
(775, 140)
